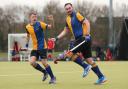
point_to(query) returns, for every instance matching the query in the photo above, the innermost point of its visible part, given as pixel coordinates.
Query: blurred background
(108, 20)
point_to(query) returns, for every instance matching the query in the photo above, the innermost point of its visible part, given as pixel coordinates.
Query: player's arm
(49, 26)
(84, 21)
(51, 19)
(45, 26)
(86, 26)
(63, 33)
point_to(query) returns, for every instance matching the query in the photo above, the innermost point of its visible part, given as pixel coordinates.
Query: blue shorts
(85, 48)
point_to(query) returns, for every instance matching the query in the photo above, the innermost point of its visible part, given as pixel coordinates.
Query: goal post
(16, 47)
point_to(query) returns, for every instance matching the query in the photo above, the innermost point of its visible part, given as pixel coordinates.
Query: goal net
(17, 50)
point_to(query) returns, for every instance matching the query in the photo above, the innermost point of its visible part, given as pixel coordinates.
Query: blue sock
(38, 67)
(97, 71)
(48, 68)
(80, 62)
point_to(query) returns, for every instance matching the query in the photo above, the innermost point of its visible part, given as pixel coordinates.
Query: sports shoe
(45, 76)
(101, 80)
(86, 70)
(53, 80)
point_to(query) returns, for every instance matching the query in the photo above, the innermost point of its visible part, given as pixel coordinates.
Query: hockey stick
(74, 48)
(77, 46)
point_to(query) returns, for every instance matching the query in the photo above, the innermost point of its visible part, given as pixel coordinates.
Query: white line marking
(13, 75)
(16, 75)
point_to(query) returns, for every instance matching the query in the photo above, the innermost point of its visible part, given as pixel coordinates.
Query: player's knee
(94, 64)
(44, 62)
(75, 56)
(32, 63)
(91, 62)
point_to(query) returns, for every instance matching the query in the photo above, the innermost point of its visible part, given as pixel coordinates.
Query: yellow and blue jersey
(36, 32)
(75, 24)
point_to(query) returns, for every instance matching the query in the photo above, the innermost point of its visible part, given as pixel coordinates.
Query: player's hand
(69, 54)
(54, 39)
(50, 17)
(26, 45)
(87, 38)
(49, 26)
(55, 62)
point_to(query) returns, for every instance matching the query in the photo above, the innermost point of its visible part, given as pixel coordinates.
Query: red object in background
(108, 55)
(49, 56)
(16, 49)
(51, 44)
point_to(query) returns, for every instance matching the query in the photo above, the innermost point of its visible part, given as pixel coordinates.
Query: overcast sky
(36, 3)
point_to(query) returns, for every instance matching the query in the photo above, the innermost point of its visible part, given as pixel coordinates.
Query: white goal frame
(21, 38)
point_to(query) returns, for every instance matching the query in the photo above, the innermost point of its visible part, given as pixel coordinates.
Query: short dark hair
(32, 12)
(67, 4)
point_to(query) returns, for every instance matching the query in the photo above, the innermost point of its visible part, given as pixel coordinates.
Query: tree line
(13, 19)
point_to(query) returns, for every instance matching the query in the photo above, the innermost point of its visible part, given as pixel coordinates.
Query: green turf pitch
(20, 75)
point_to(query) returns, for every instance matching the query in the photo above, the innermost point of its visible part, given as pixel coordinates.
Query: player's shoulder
(28, 25)
(78, 13)
(41, 22)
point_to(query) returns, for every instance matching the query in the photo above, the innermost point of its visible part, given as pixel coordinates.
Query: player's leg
(43, 55)
(34, 56)
(85, 66)
(49, 71)
(97, 71)
(88, 56)
(78, 60)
